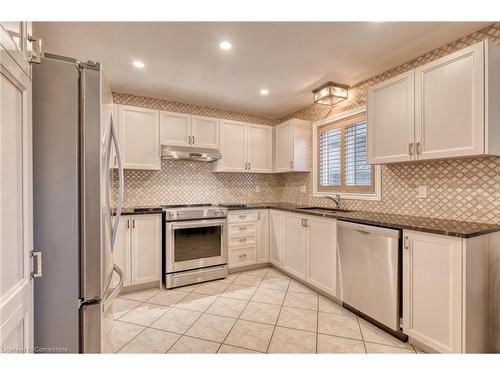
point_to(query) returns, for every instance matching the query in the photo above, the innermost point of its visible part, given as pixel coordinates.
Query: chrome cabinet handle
(249, 166)
(258, 215)
(193, 139)
(406, 243)
(306, 223)
(291, 164)
(242, 256)
(419, 148)
(410, 148)
(243, 240)
(133, 223)
(128, 223)
(242, 216)
(242, 228)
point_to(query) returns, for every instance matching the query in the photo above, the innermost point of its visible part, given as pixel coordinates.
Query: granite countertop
(456, 228)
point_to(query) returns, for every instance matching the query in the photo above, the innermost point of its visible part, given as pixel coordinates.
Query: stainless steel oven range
(195, 244)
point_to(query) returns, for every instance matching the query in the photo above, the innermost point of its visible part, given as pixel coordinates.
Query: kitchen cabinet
(391, 120)
(451, 114)
(138, 248)
(321, 253)
(180, 129)
(247, 237)
(245, 147)
(292, 146)
(139, 132)
(446, 291)
(295, 245)
(276, 237)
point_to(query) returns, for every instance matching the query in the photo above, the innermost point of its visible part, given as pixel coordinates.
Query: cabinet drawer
(242, 256)
(250, 239)
(242, 216)
(242, 228)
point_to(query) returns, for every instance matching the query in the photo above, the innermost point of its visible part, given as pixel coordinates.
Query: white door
(263, 236)
(432, 290)
(139, 137)
(276, 237)
(146, 248)
(233, 146)
(16, 205)
(295, 245)
(284, 147)
(122, 250)
(205, 132)
(321, 253)
(449, 105)
(259, 148)
(391, 120)
(175, 129)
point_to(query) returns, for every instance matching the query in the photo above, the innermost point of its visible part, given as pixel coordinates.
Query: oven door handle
(197, 224)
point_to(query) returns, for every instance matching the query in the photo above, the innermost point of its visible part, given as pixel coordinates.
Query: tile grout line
(281, 308)
(362, 336)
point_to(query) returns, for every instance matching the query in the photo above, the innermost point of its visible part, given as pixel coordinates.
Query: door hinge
(37, 264)
(36, 53)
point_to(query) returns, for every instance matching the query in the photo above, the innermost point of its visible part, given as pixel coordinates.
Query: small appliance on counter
(195, 244)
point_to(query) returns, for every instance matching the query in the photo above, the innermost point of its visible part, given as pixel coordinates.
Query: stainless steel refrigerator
(74, 138)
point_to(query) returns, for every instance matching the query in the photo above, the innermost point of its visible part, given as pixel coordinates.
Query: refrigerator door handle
(112, 295)
(114, 140)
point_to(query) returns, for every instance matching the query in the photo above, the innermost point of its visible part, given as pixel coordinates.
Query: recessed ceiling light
(225, 45)
(138, 64)
(264, 92)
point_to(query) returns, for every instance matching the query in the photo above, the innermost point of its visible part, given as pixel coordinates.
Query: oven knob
(171, 215)
(217, 213)
(224, 212)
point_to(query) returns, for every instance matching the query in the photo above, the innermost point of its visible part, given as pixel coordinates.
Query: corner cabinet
(138, 248)
(292, 146)
(245, 147)
(443, 109)
(446, 300)
(139, 137)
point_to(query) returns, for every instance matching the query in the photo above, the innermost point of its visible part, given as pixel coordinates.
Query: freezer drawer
(369, 271)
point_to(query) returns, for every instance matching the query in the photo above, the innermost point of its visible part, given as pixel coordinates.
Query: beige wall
(458, 189)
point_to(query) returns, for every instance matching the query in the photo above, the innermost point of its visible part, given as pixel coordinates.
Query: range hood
(189, 153)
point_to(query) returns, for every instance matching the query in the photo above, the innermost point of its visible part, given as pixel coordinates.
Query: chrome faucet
(335, 199)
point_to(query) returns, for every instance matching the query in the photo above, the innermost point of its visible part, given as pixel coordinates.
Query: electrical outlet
(422, 191)
(257, 189)
(302, 189)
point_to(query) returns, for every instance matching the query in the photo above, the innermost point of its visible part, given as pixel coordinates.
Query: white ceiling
(184, 63)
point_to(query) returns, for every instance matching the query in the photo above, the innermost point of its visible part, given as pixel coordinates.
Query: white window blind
(342, 157)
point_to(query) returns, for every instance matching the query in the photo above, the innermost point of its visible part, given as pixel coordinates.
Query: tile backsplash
(466, 189)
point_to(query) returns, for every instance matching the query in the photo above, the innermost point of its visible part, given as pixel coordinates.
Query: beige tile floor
(258, 311)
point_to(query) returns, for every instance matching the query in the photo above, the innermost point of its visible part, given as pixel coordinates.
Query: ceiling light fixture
(225, 45)
(330, 93)
(264, 92)
(138, 64)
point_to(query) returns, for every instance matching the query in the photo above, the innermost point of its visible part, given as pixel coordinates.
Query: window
(342, 164)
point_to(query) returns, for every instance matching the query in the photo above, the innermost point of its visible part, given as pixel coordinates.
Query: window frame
(341, 120)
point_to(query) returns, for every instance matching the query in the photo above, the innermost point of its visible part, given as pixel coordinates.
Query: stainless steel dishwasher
(369, 270)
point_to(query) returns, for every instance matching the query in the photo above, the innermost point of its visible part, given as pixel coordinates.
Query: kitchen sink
(323, 209)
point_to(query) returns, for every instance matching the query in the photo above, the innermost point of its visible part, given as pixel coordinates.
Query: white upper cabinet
(449, 105)
(175, 129)
(391, 120)
(180, 129)
(292, 151)
(259, 148)
(233, 147)
(139, 134)
(245, 147)
(205, 132)
(453, 112)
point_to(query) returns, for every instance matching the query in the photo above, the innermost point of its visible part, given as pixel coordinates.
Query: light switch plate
(422, 191)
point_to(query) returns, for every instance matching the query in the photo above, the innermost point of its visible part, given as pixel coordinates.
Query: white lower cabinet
(138, 248)
(446, 291)
(295, 245)
(276, 237)
(247, 237)
(321, 253)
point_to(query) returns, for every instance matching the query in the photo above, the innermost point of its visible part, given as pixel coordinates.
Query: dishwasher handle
(369, 229)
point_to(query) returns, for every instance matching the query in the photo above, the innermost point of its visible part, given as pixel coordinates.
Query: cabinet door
(449, 105)
(263, 236)
(321, 253)
(139, 137)
(205, 132)
(276, 237)
(175, 128)
(295, 245)
(259, 148)
(233, 146)
(14, 40)
(146, 248)
(121, 251)
(284, 147)
(391, 120)
(432, 290)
